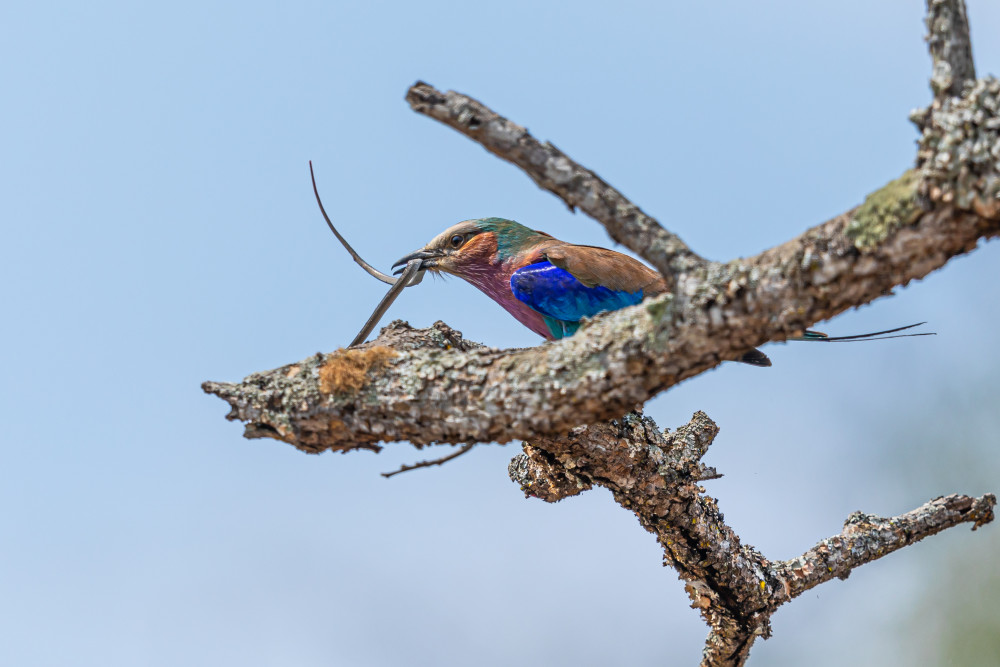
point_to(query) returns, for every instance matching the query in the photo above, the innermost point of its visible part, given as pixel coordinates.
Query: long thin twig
(432, 462)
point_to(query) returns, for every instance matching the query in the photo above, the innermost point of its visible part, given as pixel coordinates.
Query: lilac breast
(494, 281)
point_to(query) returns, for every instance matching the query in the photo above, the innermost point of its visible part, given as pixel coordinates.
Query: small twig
(432, 462)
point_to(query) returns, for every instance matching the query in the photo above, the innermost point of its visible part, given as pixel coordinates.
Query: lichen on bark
(884, 211)
(347, 371)
(958, 151)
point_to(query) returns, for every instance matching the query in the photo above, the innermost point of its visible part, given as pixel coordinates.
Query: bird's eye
(457, 240)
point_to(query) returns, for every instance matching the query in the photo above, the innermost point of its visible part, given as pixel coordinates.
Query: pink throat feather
(494, 281)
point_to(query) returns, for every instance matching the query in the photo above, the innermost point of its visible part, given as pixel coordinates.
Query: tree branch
(867, 537)
(950, 46)
(553, 170)
(431, 391)
(657, 476)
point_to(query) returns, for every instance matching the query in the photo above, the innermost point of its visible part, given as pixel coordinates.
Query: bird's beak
(428, 260)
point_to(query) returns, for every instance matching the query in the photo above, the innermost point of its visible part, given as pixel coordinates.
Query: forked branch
(658, 476)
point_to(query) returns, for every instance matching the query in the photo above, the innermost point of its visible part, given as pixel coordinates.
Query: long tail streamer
(820, 337)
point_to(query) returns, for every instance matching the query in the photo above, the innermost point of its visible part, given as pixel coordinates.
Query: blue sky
(160, 231)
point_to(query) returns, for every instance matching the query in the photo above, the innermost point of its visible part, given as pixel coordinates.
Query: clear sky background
(159, 230)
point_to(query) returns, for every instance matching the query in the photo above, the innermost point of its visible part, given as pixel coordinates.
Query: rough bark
(949, 42)
(572, 401)
(657, 475)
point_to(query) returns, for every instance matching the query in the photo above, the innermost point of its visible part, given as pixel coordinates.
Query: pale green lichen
(661, 309)
(893, 206)
(658, 308)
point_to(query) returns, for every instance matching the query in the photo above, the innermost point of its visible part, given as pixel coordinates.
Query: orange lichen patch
(338, 429)
(346, 371)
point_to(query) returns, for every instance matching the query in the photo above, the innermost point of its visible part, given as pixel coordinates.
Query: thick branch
(553, 170)
(950, 46)
(657, 476)
(727, 646)
(433, 391)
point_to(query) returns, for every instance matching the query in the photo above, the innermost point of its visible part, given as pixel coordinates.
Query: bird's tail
(820, 337)
(758, 358)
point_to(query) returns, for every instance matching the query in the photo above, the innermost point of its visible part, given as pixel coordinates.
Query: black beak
(427, 258)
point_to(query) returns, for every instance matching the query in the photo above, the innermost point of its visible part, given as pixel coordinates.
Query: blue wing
(555, 293)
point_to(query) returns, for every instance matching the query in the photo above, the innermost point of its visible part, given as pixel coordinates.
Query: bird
(549, 285)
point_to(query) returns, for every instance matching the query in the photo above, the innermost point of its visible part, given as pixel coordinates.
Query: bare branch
(553, 170)
(950, 46)
(867, 537)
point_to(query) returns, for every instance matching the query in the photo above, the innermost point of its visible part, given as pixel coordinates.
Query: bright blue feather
(555, 293)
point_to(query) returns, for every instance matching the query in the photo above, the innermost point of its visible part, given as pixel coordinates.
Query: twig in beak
(412, 268)
(355, 256)
(411, 274)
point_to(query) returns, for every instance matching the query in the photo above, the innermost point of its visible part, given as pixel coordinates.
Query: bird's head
(473, 245)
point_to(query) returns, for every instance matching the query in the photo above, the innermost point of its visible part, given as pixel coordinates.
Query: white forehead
(463, 228)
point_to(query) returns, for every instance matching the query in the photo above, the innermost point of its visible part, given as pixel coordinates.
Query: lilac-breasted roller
(547, 284)
(550, 285)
